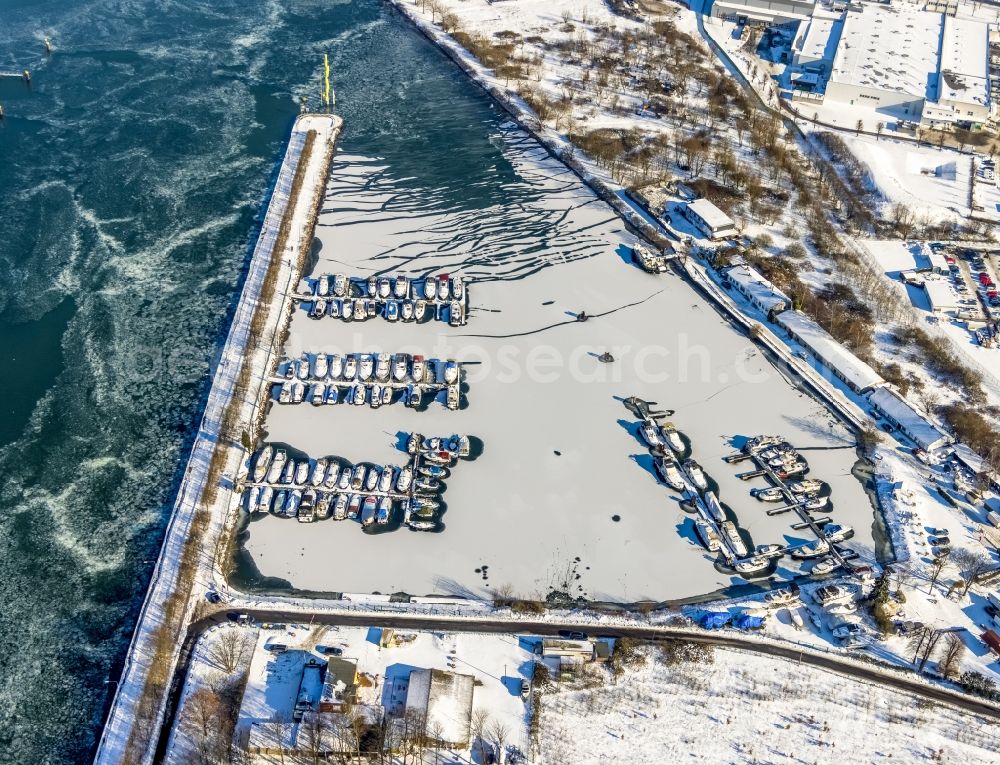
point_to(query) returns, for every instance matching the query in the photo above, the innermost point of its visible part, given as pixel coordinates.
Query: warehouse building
(444, 701)
(904, 416)
(709, 219)
(843, 364)
(764, 11)
(963, 93)
(763, 295)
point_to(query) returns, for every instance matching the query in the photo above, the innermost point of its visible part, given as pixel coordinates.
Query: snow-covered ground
(742, 708)
(561, 455)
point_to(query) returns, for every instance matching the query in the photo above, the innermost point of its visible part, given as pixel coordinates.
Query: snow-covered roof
(754, 285)
(937, 259)
(765, 10)
(889, 48)
(709, 213)
(940, 294)
(965, 61)
(445, 699)
(817, 38)
(827, 349)
(918, 427)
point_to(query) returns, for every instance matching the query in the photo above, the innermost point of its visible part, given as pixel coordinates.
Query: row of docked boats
(397, 369)
(776, 455)
(649, 261)
(401, 287)
(362, 309)
(359, 394)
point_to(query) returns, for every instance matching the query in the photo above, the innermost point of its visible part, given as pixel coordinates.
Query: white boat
(344, 481)
(427, 485)
(414, 393)
(358, 477)
(835, 532)
(317, 394)
(289, 472)
(304, 288)
(419, 310)
(340, 508)
(384, 511)
(443, 287)
(751, 565)
(339, 285)
(433, 471)
(813, 549)
(318, 472)
(371, 309)
(277, 465)
(816, 503)
(302, 368)
(419, 369)
(430, 288)
(424, 503)
(384, 287)
(770, 494)
(368, 511)
(366, 367)
(262, 463)
(714, 506)
(757, 443)
(321, 366)
(670, 473)
(376, 399)
(265, 498)
(805, 486)
(824, 566)
(796, 618)
(399, 367)
(770, 551)
(420, 525)
(278, 505)
(292, 503)
(401, 287)
(332, 474)
(333, 309)
(336, 367)
(404, 479)
(358, 393)
(451, 372)
(347, 310)
(386, 478)
(371, 480)
(455, 315)
(323, 503)
(694, 472)
(457, 288)
(354, 506)
(672, 437)
(650, 433)
(452, 398)
(323, 289)
(392, 310)
(792, 469)
(302, 471)
(707, 535)
(351, 367)
(290, 369)
(382, 367)
(372, 286)
(386, 395)
(318, 310)
(360, 311)
(406, 310)
(298, 392)
(332, 394)
(733, 539)
(439, 457)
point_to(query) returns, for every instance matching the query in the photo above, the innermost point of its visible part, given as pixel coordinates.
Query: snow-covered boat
(457, 288)
(332, 474)
(392, 310)
(751, 565)
(358, 393)
(303, 367)
(323, 288)
(430, 288)
(351, 367)
(420, 525)
(333, 309)
(419, 310)
(339, 285)
(672, 437)
(714, 506)
(650, 432)
(262, 463)
(302, 471)
(307, 507)
(770, 494)
(424, 503)
(455, 315)
(439, 457)
(824, 566)
(383, 367)
(371, 480)
(399, 367)
(426, 485)
(406, 310)
(321, 366)
(368, 511)
(354, 506)
(835, 532)
(340, 508)
(451, 372)
(384, 511)
(318, 310)
(366, 367)
(384, 287)
(292, 503)
(323, 504)
(319, 472)
(265, 498)
(695, 473)
(757, 443)
(433, 471)
(805, 486)
(816, 503)
(358, 477)
(452, 398)
(386, 395)
(317, 394)
(298, 392)
(336, 367)
(344, 481)
(401, 287)
(813, 549)
(792, 469)
(278, 505)
(770, 551)
(413, 395)
(277, 466)
(347, 309)
(385, 478)
(707, 535)
(376, 399)
(332, 394)
(419, 368)
(372, 286)
(290, 369)
(288, 474)
(443, 287)
(647, 261)
(404, 479)
(667, 470)
(733, 539)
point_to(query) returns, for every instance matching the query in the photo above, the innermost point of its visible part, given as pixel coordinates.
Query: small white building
(709, 219)
(763, 295)
(941, 297)
(444, 701)
(904, 416)
(844, 365)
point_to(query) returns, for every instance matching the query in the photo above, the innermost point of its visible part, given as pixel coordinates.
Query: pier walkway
(136, 700)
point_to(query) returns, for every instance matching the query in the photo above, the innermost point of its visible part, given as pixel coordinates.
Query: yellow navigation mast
(328, 97)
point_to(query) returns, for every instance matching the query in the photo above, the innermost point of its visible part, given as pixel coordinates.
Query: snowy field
(749, 709)
(561, 455)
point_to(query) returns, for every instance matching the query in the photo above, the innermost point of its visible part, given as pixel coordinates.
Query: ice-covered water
(130, 176)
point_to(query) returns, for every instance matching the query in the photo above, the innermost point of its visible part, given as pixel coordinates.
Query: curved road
(484, 625)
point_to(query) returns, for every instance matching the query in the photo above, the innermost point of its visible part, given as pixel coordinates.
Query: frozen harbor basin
(563, 496)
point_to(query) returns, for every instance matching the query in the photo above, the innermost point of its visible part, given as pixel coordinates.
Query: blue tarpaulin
(715, 620)
(748, 622)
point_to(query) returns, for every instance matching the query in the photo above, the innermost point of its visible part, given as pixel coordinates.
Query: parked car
(330, 650)
(572, 635)
(942, 540)
(848, 631)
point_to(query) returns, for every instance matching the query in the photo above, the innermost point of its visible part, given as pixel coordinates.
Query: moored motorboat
(354, 506)
(672, 437)
(404, 479)
(413, 396)
(816, 503)
(333, 308)
(321, 366)
(424, 503)
(318, 310)
(451, 372)
(430, 288)
(751, 565)
(332, 474)
(344, 481)
(384, 287)
(406, 310)
(340, 508)
(708, 536)
(323, 287)
(264, 499)
(456, 316)
(714, 506)
(696, 475)
(323, 504)
(307, 507)
(289, 472)
(457, 288)
(433, 471)
(371, 480)
(298, 392)
(668, 471)
(420, 525)
(376, 399)
(384, 511)
(336, 367)
(399, 366)
(383, 367)
(452, 398)
(813, 549)
(835, 532)
(401, 287)
(339, 285)
(319, 472)
(769, 494)
(317, 394)
(419, 310)
(426, 485)
(302, 471)
(372, 286)
(391, 310)
(368, 511)
(439, 457)
(650, 433)
(303, 367)
(262, 463)
(277, 465)
(292, 503)
(443, 287)
(769, 550)
(386, 478)
(824, 566)
(386, 395)
(419, 368)
(806, 486)
(365, 367)
(733, 539)
(358, 477)
(351, 367)
(358, 393)
(278, 504)
(332, 394)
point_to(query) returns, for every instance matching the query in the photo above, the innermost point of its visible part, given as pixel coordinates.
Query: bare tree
(480, 724)
(936, 565)
(499, 734)
(878, 130)
(971, 563)
(228, 649)
(923, 642)
(858, 127)
(202, 716)
(951, 660)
